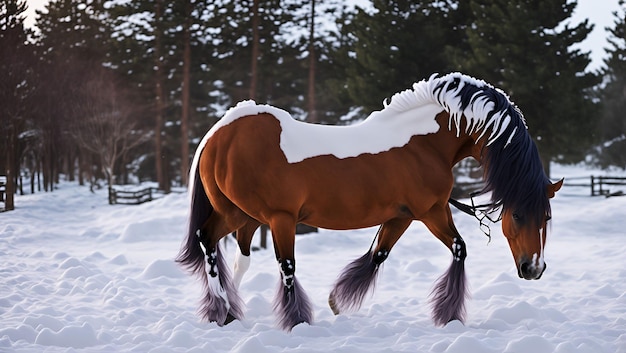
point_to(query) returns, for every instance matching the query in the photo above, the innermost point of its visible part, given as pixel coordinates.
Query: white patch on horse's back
(378, 133)
(381, 131)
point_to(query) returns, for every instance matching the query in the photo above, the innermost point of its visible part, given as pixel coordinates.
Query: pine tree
(169, 52)
(73, 43)
(317, 48)
(15, 90)
(613, 95)
(279, 75)
(402, 42)
(526, 48)
(141, 53)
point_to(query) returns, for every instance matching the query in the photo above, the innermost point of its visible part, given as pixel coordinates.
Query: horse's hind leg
(242, 256)
(292, 305)
(359, 277)
(450, 291)
(221, 302)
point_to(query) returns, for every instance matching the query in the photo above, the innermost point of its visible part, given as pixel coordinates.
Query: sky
(599, 12)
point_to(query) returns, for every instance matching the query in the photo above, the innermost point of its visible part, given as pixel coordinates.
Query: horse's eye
(516, 217)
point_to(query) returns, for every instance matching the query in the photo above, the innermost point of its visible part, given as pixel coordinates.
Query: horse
(258, 165)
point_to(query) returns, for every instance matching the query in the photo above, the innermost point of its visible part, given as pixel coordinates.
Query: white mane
(479, 109)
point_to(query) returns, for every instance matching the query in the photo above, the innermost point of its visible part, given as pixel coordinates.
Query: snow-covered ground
(78, 275)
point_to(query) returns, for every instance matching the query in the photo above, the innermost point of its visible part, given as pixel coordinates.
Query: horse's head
(526, 235)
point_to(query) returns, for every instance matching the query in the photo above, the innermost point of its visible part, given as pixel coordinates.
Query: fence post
(593, 188)
(112, 197)
(601, 192)
(2, 188)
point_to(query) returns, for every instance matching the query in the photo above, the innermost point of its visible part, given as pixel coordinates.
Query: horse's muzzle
(527, 270)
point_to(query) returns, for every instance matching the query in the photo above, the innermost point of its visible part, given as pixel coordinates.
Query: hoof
(229, 318)
(332, 304)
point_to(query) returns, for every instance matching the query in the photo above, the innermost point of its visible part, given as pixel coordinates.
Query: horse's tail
(191, 256)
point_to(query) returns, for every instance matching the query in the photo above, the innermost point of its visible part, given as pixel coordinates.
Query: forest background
(122, 91)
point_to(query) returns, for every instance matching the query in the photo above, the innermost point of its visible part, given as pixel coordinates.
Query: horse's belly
(343, 215)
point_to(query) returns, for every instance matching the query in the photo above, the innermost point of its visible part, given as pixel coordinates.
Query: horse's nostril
(525, 268)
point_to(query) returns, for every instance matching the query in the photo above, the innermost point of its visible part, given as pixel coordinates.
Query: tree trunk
(160, 97)
(81, 167)
(184, 120)
(33, 173)
(39, 168)
(312, 114)
(545, 160)
(9, 201)
(255, 50)
(71, 159)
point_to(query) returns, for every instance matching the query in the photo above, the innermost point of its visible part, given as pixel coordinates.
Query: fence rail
(121, 197)
(463, 189)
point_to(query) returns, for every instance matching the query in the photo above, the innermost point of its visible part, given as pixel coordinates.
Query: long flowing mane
(513, 172)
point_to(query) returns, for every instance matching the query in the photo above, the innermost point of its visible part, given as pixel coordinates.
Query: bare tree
(104, 123)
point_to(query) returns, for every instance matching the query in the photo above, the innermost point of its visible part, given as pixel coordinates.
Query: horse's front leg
(450, 291)
(359, 277)
(291, 305)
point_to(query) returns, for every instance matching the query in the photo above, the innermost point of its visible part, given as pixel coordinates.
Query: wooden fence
(597, 185)
(463, 189)
(3, 190)
(121, 197)
(605, 186)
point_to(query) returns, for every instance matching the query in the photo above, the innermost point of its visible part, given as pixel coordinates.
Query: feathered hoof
(449, 295)
(229, 318)
(333, 304)
(292, 306)
(354, 284)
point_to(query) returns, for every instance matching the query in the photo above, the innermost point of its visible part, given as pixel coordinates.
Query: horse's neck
(454, 143)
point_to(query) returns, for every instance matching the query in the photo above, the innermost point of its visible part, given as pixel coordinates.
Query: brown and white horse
(258, 165)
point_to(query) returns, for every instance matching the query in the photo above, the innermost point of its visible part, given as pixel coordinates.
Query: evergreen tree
(279, 77)
(153, 49)
(526, 48)
(15, 90)
(401, 42)
(613, 96)
(73, 43)
(321, 46)
(142, 53)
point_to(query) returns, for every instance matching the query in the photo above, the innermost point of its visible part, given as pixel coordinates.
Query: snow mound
(98, 278)
(162, 268)
(151, 229)
(69, 336)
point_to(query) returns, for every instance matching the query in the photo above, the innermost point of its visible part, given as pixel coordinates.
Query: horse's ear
(553, 188)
